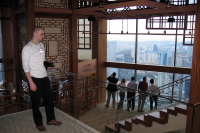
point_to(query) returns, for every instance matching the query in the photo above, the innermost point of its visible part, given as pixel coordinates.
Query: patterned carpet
(22, 122)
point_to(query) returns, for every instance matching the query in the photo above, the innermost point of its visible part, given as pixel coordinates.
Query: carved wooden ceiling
(108, 9)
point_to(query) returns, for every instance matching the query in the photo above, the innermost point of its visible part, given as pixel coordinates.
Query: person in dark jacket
(111, 89)
(142, 87)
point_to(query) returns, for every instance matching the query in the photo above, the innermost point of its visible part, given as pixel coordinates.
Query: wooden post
(7, 44)
(194, 126)
(30, 17)
(102, 57)
(73, 65)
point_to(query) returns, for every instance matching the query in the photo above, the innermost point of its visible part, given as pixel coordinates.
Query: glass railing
(77, 94)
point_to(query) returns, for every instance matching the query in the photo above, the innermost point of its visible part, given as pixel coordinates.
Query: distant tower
(111, 50)
(155, 48)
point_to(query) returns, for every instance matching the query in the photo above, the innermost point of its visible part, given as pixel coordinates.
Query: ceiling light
(91, 18)
(171, 20)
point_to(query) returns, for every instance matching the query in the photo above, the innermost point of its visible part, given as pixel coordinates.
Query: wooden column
(102, 57)
(195, 80)
(30, 16)
(7, 44)
(73, 59)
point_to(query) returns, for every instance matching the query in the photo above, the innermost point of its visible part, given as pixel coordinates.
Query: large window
(132, 43)
(129, 41)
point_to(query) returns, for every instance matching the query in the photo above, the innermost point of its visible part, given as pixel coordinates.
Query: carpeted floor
(22, 122)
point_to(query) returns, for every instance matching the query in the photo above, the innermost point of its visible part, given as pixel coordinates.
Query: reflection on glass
(182, 88)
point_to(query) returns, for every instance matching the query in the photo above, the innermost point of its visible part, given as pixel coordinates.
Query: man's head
(144, 78)
(38, 33)
(113, 74)
(132, 78)
(152, 81)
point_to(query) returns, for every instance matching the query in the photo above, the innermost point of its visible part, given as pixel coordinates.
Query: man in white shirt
(155, 91)
(33, 57)
(131, 88)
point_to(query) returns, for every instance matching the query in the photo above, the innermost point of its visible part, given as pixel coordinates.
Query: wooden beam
(110, 6)
(185, 10)
(148, 67)
(52, 10)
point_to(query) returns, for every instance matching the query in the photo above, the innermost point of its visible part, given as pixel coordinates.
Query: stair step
(125, 124)
(135, 121)
(164, 113)
(143, 120)
(111, 128)
(172, 111)
(156, 116)
(121, 124)
(128, 124)
(182, 109)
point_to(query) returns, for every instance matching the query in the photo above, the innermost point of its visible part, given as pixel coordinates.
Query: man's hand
(33, 87)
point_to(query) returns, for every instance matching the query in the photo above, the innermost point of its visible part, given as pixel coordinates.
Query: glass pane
(142, 26)
(125, 74)
(157, 52)
(87, 28)
(115, 26)
(81, 40)
(81, 28)
(121, 48)
(81, 34)
(81, 46)
(131, 26)
(160, 79)
(86, 21)
(182, 87)
(184, 54)
(87, 35)
(81, 21)
(87, 40)
(87, 46)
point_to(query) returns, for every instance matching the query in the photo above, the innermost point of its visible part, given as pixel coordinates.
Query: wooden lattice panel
(86, 93)
(56, 40)
(63, 4)
(21, 36)
(63, 96)
(20, 4)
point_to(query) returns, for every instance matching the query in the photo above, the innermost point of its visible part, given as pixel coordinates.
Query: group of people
(131, 89)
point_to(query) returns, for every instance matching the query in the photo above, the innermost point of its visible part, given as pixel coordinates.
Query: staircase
(147, 120)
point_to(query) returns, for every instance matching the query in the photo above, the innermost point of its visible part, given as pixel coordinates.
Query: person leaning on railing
(142, 87)
(112, 88)
(155, 91)
(131, 88)
(122, 88)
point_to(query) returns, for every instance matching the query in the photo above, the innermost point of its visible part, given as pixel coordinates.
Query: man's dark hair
(132, 78)
(144, 78)
(151, 81)
(114, 74)
(36, 28)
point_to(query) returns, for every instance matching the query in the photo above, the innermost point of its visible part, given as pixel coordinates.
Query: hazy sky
(116, 26)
